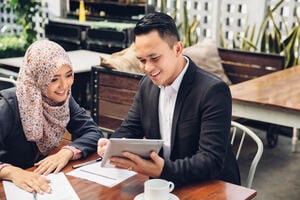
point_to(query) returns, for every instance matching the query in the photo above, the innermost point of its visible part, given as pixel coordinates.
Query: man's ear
(178, 47)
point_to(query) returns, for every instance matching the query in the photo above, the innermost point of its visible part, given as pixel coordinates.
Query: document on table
(61, 189)
(105, 176)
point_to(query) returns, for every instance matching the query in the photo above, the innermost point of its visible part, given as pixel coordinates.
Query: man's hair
(162, 23)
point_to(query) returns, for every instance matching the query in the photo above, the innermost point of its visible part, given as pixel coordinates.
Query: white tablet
(141, 147)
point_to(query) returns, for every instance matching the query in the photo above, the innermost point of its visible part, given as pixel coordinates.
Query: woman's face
(60, 84)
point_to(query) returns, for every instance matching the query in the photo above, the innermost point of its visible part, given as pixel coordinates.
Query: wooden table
(273, 98)
(127, 190)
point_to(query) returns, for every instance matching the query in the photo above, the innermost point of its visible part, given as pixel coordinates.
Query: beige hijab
(43, 122)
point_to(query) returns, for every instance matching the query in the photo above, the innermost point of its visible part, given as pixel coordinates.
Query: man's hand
(152, 167)
(102, 144)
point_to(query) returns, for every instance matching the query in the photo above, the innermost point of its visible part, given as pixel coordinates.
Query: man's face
(157, 59)
(60, 85)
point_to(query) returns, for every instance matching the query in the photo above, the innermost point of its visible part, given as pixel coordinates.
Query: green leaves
(187, 29)
(12, 46)
(25, 10)
(290, 48)
(273, 41)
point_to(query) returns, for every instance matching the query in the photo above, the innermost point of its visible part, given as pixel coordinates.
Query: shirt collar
(176, 83)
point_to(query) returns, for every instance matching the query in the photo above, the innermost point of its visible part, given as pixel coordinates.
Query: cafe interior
(254, 46)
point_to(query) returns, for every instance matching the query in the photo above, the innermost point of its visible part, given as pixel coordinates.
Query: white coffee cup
(158, 189)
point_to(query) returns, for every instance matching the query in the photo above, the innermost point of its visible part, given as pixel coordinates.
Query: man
(189, 108)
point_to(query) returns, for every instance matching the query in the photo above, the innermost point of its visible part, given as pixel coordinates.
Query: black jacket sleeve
(82, 127)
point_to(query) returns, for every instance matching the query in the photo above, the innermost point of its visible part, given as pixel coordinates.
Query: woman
(35, 115)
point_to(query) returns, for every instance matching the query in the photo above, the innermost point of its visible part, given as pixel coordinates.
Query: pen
(86, 163)
(35, 195)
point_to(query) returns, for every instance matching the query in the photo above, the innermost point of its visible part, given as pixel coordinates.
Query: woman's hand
(152, 167)
(27, 180)
(54, 163)
(102, 144)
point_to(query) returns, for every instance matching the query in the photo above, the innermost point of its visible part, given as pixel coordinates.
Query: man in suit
(187, 107)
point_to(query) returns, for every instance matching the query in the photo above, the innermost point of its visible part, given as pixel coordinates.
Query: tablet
(141, 147)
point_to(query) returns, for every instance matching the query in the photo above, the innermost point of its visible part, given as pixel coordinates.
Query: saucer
(141, 197)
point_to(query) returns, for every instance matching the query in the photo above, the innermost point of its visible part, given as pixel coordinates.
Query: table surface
(278, 89)
(128, 189)
(272, 98)
(82, 60)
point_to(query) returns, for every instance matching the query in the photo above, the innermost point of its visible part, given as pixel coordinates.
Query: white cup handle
(171, 186)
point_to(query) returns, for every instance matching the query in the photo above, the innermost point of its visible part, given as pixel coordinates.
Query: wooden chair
(113, 93)
(241, 66)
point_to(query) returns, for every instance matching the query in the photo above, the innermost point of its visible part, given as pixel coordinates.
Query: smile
(155, 74)
(60, 93)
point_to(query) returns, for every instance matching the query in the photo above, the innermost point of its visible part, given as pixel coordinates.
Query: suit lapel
(153, 108)
(184, 89)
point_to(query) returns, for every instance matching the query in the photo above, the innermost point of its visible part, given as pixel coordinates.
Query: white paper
(105, 176)
(61, 189)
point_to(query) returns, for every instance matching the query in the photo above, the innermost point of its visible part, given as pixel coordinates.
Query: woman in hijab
(35, 115)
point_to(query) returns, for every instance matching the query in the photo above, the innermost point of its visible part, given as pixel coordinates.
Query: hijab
(43, 121)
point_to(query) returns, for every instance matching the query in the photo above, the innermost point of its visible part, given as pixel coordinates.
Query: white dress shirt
(167, 100)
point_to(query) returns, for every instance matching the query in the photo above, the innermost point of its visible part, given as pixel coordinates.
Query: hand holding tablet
(141, 147)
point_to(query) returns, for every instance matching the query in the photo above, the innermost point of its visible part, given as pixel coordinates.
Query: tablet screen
(141, 147)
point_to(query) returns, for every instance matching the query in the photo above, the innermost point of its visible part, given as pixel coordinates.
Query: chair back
(67, 35)
(113, 93)
(6, 83)
(8, 73)
(238, 134)
(241, 65)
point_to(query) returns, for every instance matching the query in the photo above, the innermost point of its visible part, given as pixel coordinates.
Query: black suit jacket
(200, 146)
